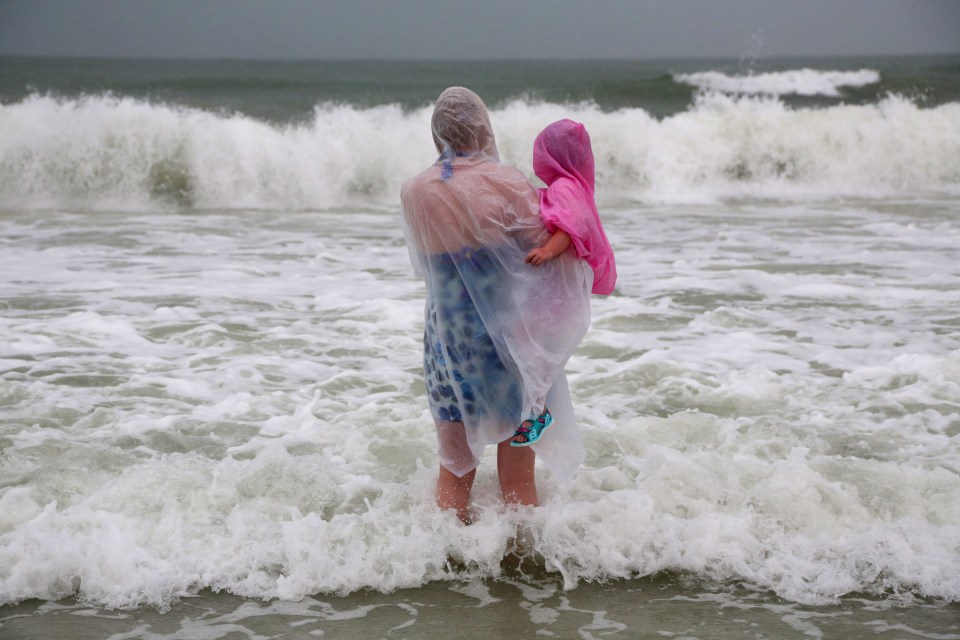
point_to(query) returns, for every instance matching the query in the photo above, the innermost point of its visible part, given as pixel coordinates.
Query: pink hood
(563, 159)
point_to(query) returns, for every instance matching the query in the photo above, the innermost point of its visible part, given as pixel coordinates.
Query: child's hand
(557, 244)
(538, 256)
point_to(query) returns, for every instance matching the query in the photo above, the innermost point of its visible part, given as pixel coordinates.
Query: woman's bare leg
(515, 470)
(454, 492)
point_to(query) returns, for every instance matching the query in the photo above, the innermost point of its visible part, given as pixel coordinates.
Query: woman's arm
(556, 245)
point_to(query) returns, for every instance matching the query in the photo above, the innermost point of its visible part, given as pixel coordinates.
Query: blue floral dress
(464, 374)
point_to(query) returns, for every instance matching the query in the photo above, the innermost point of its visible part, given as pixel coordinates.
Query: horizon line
(168, 58)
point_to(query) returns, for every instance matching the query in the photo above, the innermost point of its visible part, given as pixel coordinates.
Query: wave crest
(799, 82)
(107, 152)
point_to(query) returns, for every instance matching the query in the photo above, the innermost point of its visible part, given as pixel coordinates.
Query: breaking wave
(799, 82)
(108, 152)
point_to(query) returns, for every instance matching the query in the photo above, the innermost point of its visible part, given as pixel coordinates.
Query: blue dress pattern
(464, 374)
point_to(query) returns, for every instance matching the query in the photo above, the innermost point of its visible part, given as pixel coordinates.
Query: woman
(497, 331)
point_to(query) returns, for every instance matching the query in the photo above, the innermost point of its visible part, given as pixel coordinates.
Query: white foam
(801, 82)
(118, 153)
(771, 397)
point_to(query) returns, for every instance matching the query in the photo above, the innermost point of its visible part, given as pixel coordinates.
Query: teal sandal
(532, 429)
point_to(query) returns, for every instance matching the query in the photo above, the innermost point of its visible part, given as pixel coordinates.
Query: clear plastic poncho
(498, 332)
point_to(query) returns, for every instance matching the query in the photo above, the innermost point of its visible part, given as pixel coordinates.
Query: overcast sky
(477, 29)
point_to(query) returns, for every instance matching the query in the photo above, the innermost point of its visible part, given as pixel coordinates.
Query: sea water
(212, 416)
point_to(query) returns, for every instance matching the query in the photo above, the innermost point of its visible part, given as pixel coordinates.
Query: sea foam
(770, 398)
(104, 152)
(800, 82)
(199, 398)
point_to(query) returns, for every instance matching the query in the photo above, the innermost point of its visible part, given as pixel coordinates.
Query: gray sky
(477, 29)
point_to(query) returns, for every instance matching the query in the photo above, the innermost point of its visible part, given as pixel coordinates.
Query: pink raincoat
(563, 159)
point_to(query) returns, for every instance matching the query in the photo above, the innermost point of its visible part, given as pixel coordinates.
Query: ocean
(213, 422)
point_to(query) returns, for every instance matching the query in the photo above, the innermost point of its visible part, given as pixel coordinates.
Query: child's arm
(556, 245)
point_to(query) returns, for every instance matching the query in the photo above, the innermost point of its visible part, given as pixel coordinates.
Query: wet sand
(516, 606)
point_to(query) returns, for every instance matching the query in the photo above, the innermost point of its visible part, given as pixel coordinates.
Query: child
(563, 159)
